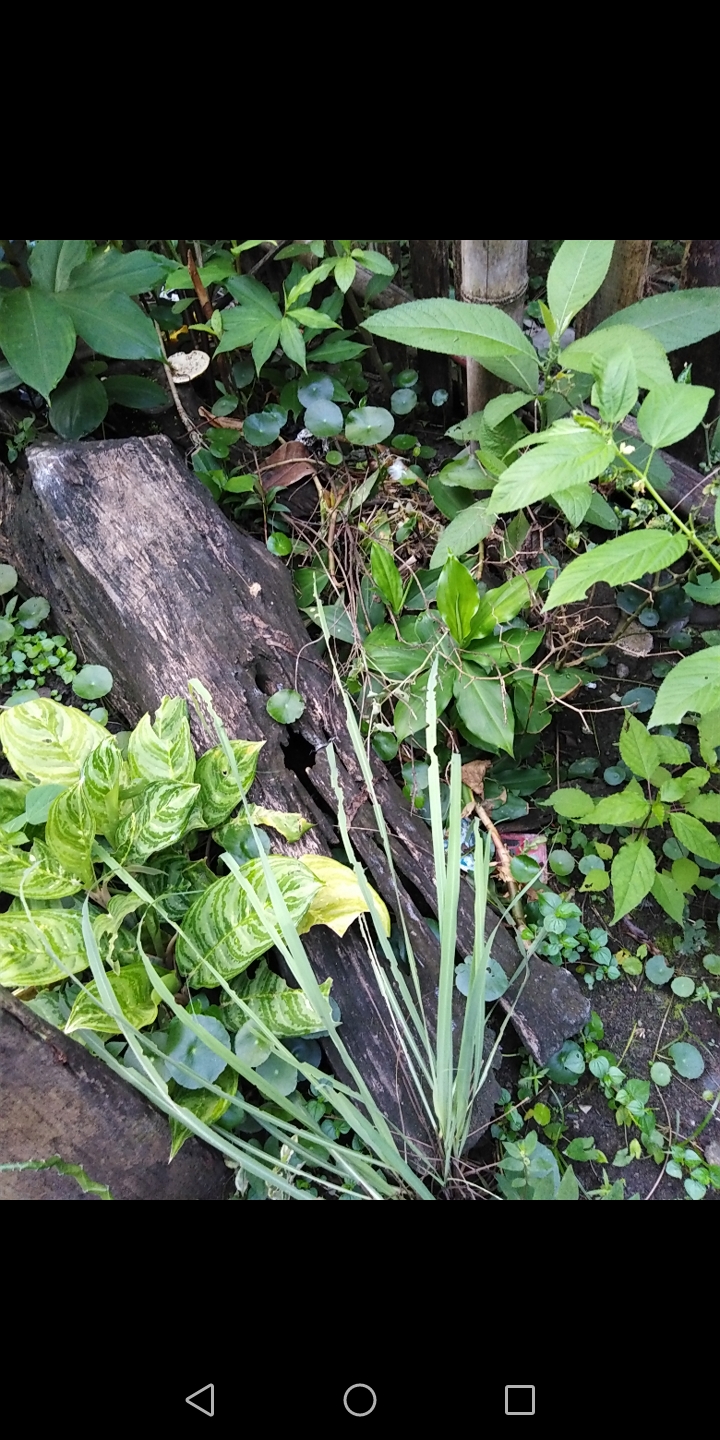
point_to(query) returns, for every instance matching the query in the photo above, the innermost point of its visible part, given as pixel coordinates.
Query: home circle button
(359, 1400)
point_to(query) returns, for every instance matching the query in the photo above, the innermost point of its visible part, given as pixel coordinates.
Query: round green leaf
(385, 744)
(712, 964)
(320, 387)
(683, 986)
(523, 868)
(324, 418)
(92, 682)
(640, 699)
(32, 611)
(261, 429)
(660, 1073)
(658, 971)
(694, 1189)
(279, 1073)
(78, 407)
(590, 862)
(100, 714)
(613, 775)
(561, 863)
(185, 1046)
(403, 401)
(407, 378)
(439, 398)
(334, 457)
(687, 1060)
(250, 1046)
(285, 706)
(7, 631)
(279, 544)
(243, 373)
(368, 426)
(8, 579)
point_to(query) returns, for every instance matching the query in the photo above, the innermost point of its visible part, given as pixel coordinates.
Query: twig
(503, 856)
(192, 430)
(377, 363)
(652, 1190)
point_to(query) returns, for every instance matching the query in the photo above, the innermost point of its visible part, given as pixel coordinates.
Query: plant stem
(692, 537)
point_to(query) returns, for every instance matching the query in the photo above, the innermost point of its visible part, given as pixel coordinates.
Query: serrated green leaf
(451, 327)
(692, 684)
(624, 808)
(222, 929)
(219, 793)
(159, 818)
(70, 830)
(633, 872)
(44, 741)
(565, 459)
(574, 501)
(639, 750)
(706, 807)
(484, 707)
(651, 362)
(709, 735)
(626, 558)
(677, 319)
(37, 875)
(572, 803)
(463, 533)
(286, 1012)
(36, 336)
(670, 412)
(576, 274)
(134, 995)
(162, 749)
(25, 961)
(696, 836)
(616, 384)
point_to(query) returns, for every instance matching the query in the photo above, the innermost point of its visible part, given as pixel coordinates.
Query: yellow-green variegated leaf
(160, 818)
(176, 883)
(340, 900)
(219, 793)
(101, 779)
(286, 1012)
(162, 749)
(12, 800)
(47, 742)
(70, 831)
(222, 929)
(24, 960)
(37, 873)
(134, 994)
(203, 1105)
(288, 823)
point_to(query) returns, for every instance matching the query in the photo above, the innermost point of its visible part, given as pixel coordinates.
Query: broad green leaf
(110, 270)
(373, 260)
(670, 751)
(13, 796)
(241, 326)
(77, 407)
(203, 1105)
(695, 836)
(264, 344)
(463, 533)
(187, 1052)
(565, 459)
(601, 514)
(218, 268)
(394, 658)
(670, 412)
(410, 712)
(344, 273)
(457, 599)
(100, 777)
(334, 351)
(387, 577)
(8, 579)
(498, 606)
(222, 929)
(651, 362)
(70, 831)
(340, 900)
(639, 750)
(506, 651)
(286, 1012)
(288, 823)
(52, 262)
(133, 994)
(369, 425)
(576, 274)
(709, 735)
(626, 558)
(706, 807)
(250, 291)
(678, 319)
(162, 749)
(292, 341)
(464, 474)
(633, 873)
(160, 818)
(451, 327)
(616, 385)
(572, 803)
(692, 685)
(685, 874)
(707, 592)
(625, 808)
(38, 875)
(37, 337)
(44, 741)
(25, 961)
(111, 324)
(574, 501)
(484, 707)
(135, 392)
(9, 380)
(500, 407)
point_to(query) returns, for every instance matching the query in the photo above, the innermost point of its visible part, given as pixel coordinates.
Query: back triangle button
(203, 1400)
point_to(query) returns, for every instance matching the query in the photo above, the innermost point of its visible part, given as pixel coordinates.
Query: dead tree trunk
(702, 267)
(430, 270)
(623, 285)
(494, 272)
(148, 576)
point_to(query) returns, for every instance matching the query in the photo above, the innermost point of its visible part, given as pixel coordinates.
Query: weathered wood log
(147, 574)
(58, 1099)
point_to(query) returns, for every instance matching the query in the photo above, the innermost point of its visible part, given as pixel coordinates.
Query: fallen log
(149, 577)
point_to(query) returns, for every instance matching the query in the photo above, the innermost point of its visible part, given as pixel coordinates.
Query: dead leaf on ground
(289, 463)
(473, 774)
(186, 365)
(635, 640)
(222, 422)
